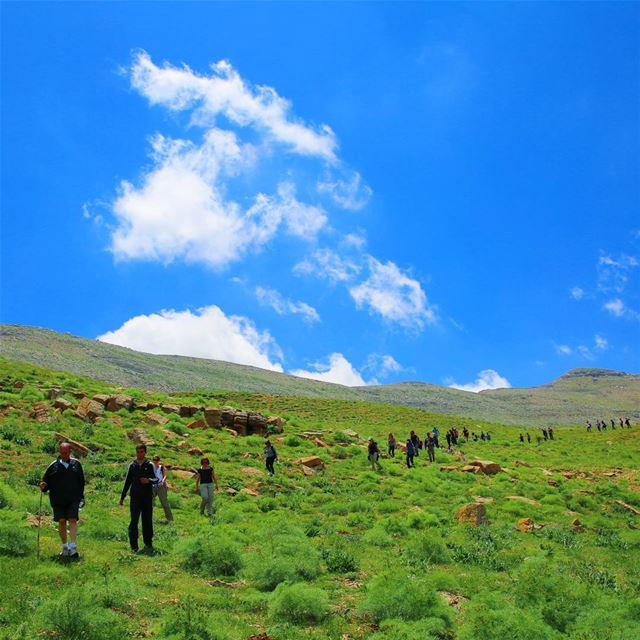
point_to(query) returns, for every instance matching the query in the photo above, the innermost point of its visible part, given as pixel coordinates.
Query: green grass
(343, 553)
(594, 393)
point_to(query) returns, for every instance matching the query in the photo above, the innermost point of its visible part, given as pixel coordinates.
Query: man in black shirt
(64, 480)
(140, 479)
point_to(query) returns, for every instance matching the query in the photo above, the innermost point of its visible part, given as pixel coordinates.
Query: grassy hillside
(343, 554)
(581, 394)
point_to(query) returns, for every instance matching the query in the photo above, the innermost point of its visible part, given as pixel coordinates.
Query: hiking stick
(39, 523)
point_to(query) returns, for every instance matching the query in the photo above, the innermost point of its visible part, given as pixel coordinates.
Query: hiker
(141, 477)
(271, 456)
(435, 433)
(604, 425)
(598, 425)
(410, 454)
(374, 454)
(160, 490)
(613, 423)
(64, 480)
(521, 438)
(448, 437)
(474, 437)
(621, 423)
(544, 434)
(488, 436)
(589, 427)
(528, 438)
(627, 423)
(391, 445)
(414, 441)
(205, 479)
(465, 433)
(482, 436)
(430, 444)
(550, 432)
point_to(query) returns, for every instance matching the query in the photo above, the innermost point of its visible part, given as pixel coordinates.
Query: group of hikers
(547, 434)
(601, 425)
(145, 480)
(414, 444)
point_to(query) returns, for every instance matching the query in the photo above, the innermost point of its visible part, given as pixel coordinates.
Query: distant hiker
(465, 433)
(474, 437)
(604, 425)
(161, 490)
(64, 480)
(598, 425)
(528, 437)
(436, 433)
(627, 423)
(448, 437)
(410, 453)
(374, 454)
(613, 423)
(430, 444)
(270, 456)
(550, 432)
(538, 438)
(391, 445)
(482, 436)
(205, 479)
(589, 427)
(488, 436)
(621, 423)
(413, 436)
(141, 477)
(544, 434)
(521, 438)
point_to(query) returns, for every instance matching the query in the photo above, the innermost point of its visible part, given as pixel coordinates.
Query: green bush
(31, 394)
(424, 550)
(393, 595)
(293, 441)
(299, 604)
(7, 496)
(339, 560)
(14, 540)
(190, 621)
(214, 555)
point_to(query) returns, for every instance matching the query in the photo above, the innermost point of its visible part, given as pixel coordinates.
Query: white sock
(73, 546)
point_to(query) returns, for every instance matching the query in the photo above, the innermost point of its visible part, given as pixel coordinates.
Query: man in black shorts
(64, 480)
(141, 477)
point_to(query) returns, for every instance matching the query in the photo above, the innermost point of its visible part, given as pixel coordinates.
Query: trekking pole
(39, 523)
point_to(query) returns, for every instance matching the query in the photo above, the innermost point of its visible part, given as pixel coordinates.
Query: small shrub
(14, 540)
(293, 441)
(188, 621)
(215, 555)
(31, 394)
(339, 560)
(299, 604)
(424, 550)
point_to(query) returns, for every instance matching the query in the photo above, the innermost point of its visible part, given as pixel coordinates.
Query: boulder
(448, 468)
(526, 525)
(276, 423)
(227, 415)
(54, 392)
(115, 403)
(469, 468)
(251, 471)
(141, 406)
(195, 452)
(40, 412)
(320, 443)
(523, 499)
(89, 410)
(155, 420)
(186, 411)
(62, 404)
(140, 436)
(197, 424)
(240, 422)
(78, 449)
(578, 527)
(312, 461)
(256, 424)
(473, 514)
(183, 474)
(102, 398)
(78, 395)
(212, 417)
(18, 384)
(169, 408)
(308, 471)
(486, 467)
(351, 433)
(232, 432)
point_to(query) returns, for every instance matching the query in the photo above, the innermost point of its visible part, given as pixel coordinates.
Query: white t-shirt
(158, 472)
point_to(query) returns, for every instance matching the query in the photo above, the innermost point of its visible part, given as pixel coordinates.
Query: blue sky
(356, 192)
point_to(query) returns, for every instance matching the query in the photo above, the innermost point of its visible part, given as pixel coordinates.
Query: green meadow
(342, 554)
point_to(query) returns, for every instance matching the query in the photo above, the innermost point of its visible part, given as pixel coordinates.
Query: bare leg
(62, 530)
(73, 531)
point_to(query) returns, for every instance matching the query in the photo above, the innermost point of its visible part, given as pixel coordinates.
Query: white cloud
(337, 370)
(394, 295)
(584, 351)
(614, 273)
(564, 349)
(615, 307)
(382, 365)
(576, 293)
(487, 379)
(347, 193)
(329, 265)
(225, 93)
(601, 343)
(207, 333)
(355, 240)
(282, 306)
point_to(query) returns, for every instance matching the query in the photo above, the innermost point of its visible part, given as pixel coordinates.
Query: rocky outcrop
(212, 417)
(483, 466)
(140, 436)
(62, 404)
(473, 514)
(89, 410)
(115, 403)
(77, 449)
(155, 420)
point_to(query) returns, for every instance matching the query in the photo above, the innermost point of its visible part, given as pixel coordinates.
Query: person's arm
(45, 483)
(215, 479)
(275, 453)
(127, 483)
(164, 474)
(81, 481)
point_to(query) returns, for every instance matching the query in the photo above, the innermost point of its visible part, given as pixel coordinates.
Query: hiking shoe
(148, 551)
(74, 556)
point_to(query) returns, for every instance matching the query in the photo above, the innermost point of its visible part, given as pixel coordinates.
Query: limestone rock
(40, 412)
(77, 449)
(523, 499)
(212, 417)
(251, 471)
(227, 416)
(54, 392)
(240, 422)
(197, 424)
(102, 398)
(351, 433)
(169, 408)
(232, 432)
(526, 525)
(183, 474)
(312, 461)
(473, 513)
(469, 468)
(90, 410)
(486, 467)
(448, 468)
(186, 411)
(276, 423)
(115, 403)
(62, 404)
(140, 436)
(256, 424)
(195, 452)
(155, 420)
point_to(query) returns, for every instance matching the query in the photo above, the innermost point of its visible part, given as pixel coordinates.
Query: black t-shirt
(206, 475)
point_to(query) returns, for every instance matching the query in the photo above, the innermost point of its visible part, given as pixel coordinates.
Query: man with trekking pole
(64, 480)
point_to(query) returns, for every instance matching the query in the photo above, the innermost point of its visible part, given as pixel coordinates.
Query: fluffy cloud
(563, 349)
(225, 93)
(329, 265)
(207, 333)
(349, 193)
(382, 365)
(601, 344)
(576, 293)
(393, 295)
(282, 306)
(487, 379)
(337, 369)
